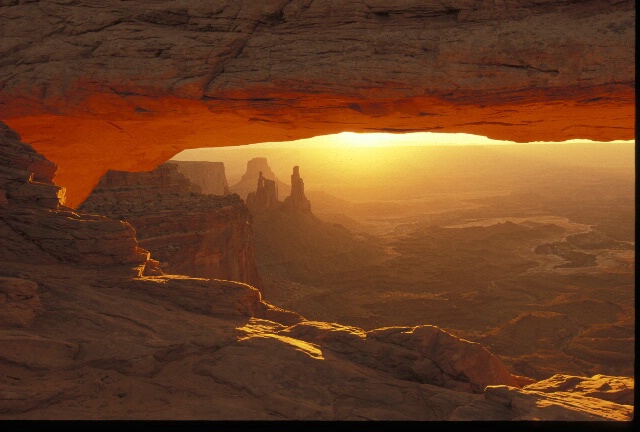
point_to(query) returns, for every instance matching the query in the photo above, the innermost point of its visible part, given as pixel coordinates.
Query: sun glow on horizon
(360, 152)
(347, 140)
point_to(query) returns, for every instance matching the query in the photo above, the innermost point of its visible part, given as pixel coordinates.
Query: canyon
(96, 333)
(95, 324)
(481, 243)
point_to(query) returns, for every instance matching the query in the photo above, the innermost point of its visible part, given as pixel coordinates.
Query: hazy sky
(352, 139)
(351, 158)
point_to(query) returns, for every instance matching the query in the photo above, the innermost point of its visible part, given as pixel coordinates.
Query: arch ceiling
(127, 85)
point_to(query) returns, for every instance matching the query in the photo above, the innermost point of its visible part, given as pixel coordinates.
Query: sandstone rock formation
(257, 168)
(142, 81)
(550, 398)
(210, 176)
(95, 343)
(297, 201)
(188, 232)
(35, 226)
(265, 197)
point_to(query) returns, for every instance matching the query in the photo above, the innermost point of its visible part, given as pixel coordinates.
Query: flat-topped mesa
(210, 176)
(297, 201)
(165, 179)
(265, 196)
(188, 232)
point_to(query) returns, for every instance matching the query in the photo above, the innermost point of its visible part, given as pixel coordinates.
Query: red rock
(108, 344)
(265, 197)
(454, 359)
(140, 83)
(19, 302)
(614, 389)
(37, 227)
(186, 231)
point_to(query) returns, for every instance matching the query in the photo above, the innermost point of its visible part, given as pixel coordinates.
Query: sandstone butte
(127, 85)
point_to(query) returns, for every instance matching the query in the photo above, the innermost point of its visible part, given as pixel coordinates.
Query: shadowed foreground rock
(106, 344)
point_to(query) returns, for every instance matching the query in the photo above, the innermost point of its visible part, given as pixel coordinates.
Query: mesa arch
(127, 85)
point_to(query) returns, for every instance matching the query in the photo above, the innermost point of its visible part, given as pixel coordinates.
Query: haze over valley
(512, 246)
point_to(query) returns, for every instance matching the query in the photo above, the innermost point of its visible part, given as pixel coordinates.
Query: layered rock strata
(178, 74)
(188, 232)
(35, 226)
(210, 176)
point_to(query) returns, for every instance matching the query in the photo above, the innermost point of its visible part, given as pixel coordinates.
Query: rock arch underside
(127, 85)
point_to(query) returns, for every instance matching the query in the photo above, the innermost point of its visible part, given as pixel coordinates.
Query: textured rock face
(297, 201)
(141, 81)
(36, 227)
(187, 232)
(19, 302)
(210, 176)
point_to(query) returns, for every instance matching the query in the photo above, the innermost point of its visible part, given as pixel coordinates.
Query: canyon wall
(188, 232)
(210, 176)
(127, 85)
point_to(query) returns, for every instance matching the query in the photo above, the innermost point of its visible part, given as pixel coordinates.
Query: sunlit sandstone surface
(126, 85)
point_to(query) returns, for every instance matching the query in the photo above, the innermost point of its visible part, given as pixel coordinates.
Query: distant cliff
(188, 232)
(210, 176)
(255, 168)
